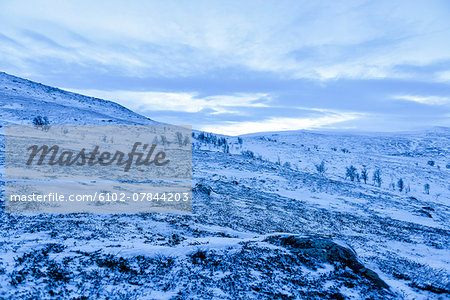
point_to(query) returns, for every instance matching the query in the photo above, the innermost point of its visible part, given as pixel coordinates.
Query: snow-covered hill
(265, 225)
(21, 100)
(418, 158)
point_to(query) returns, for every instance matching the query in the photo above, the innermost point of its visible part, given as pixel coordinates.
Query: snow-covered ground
(266, 224)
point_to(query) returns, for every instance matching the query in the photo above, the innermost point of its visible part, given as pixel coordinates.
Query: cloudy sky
(237, 67)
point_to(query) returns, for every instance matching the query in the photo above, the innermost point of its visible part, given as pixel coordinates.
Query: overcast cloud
(243, 66)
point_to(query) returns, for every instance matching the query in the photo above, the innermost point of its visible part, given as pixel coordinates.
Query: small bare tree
(364, 175)
(426, 188)
(321, 168)
(376, 177)
(400, 185)
(350, 173)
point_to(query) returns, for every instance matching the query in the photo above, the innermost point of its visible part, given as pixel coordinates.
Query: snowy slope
(21, 100)
(405, 156)
(260, 229)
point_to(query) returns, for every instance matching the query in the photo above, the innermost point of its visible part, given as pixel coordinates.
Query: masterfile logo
(106, 158)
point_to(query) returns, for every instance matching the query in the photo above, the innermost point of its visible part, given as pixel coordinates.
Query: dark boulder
(202, 188)
(324, 250)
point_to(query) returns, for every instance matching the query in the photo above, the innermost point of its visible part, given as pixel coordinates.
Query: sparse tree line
(212, 139)
(41, 123)
(220, 142)
(352, 174)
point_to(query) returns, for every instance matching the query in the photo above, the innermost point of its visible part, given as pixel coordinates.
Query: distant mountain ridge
(430, 130)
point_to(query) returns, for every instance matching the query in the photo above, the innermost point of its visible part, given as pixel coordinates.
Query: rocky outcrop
(324, 250)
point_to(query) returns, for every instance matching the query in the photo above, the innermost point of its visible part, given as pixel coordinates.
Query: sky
(236, 67)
